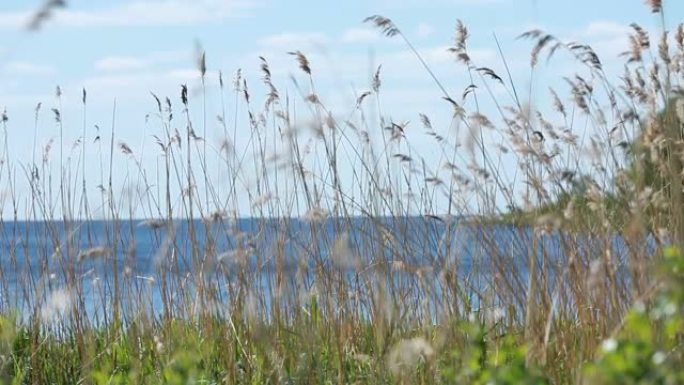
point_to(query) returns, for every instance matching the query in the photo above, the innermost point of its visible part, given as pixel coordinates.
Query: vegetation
(587, 289)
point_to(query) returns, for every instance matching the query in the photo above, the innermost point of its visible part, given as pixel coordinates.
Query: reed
(518, 258)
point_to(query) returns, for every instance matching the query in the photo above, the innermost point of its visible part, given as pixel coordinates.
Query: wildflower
(494, 315)
(56, 305)
(407, 354)
(159, 345)
(670, 309)
(658, 358)
(609, 345)
(639, 307)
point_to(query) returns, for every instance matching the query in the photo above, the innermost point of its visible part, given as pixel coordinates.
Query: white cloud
(28, 68)
(120, 63)
(608, 38)
(424, 30)
(295, 40)
(603, 28)
(184, 74)
(441, 55)
(611, 48)
(138, 13)
(340, 68)
(116, 63)
(15, 19)
(136, 85)
(141, 80)
(361, 35)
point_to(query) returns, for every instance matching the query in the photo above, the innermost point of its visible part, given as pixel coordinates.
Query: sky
(121, 50)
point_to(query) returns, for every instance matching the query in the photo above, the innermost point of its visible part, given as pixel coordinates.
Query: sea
(47, 267)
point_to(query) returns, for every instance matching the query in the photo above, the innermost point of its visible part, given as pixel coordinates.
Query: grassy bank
(385, 302)
(313, 347)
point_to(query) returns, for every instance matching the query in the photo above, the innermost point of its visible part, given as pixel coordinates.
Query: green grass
(572, 320)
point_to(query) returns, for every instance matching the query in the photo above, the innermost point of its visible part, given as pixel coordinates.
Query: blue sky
(124, 49)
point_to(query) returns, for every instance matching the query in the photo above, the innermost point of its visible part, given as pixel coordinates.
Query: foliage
(648, 348)
(361, 288)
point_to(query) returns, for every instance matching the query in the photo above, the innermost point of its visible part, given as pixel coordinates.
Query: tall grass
(519, 270)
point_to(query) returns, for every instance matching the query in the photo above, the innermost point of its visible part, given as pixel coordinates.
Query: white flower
(494, 315)
(407, 354)
(670, 309)
(658, 358)
(640, 307)
(159, 345)
(57, 303)
(609, 345)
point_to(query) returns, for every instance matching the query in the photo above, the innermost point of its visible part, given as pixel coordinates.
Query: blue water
(155, 268)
